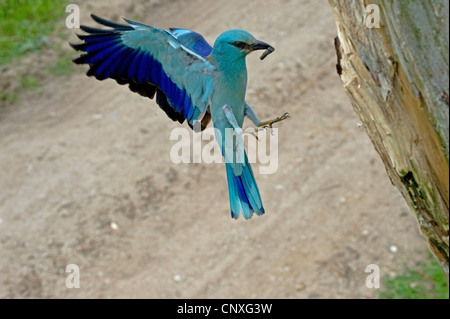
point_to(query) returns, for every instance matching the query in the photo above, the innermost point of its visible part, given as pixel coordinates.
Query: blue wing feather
(111, 63)
(193, 41)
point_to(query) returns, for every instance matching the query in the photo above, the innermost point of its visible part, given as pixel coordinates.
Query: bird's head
(236, 44)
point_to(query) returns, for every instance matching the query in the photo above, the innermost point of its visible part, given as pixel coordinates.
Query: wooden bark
(397, 78)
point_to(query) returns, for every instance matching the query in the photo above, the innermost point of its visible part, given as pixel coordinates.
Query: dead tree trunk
(397, 77)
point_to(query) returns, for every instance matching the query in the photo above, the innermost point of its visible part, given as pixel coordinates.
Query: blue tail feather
(243, 192)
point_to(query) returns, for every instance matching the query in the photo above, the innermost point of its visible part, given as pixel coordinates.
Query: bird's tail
(243, 192)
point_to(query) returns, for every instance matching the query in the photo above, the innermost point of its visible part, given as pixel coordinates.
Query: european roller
(191, 81)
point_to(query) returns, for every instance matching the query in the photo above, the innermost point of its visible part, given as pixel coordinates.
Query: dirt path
(84, 154)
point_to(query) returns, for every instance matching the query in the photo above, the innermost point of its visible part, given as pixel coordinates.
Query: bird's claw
(270, 123)
(252, 131)
(265, 125)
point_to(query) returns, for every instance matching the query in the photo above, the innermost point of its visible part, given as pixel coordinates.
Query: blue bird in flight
(191, 80)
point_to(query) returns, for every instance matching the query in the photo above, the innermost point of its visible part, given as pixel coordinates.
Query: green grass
(8, 97)
(62, 66)
(426, 281)
(28, 82)
(25, 25)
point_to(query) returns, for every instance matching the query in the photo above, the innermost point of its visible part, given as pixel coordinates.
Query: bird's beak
(259, 45)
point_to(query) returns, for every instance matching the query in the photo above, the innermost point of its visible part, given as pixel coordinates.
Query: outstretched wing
(152, 62)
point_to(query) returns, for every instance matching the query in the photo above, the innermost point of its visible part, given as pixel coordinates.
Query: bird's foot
(270, 123)
(265, 125)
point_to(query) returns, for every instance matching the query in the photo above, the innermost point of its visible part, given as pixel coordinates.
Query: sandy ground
(86, 179)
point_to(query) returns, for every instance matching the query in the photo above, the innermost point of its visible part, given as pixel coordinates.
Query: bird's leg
(250, 113)
(231, 119)
(238, 147)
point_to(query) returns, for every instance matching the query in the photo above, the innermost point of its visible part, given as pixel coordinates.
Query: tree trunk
(397, 77)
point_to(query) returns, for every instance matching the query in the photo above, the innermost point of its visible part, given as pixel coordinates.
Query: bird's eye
(239, 44)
